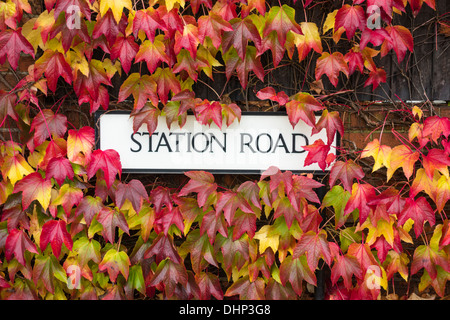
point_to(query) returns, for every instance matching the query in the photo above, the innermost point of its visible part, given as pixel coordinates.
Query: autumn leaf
(125, 48)
(115, 262)
(331, 65)
(34, 187)
(295, 271)
(87, 250)
(315, 245)
(165, 82)
(143, 88)
(270, 93)
(209, 284)
(404, 157)
(116, 7)
(170, 274)
(110, 219)
(199, 248)
(55, 233)
(207, 112)
(212, 26)
(282, 20)
(380, 153)
(59, 168)
(250, 62)
(16, 243)
(79, 145)
(68, 197)
(346, 171)
(53, 65)
(108, 161)
(337, 197)
(361, 193)
(148, 21)
(302, 107)
(244, 30)
(14, 167)
(134, 191)
(200, 182)
(246, 289)
(345, 266)
(163, 248)
(351, 18)
(401, 41)
(153, 53)
(429, 258)
(12, 43)
(331, 122)
(419, 211)
(47, 124)
(317, 153)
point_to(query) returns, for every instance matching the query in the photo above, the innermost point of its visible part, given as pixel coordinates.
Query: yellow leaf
(329, 21)
(380, 153)
(266, 240)
(33, 36)
(78, 61)
(116, 7)
(171, 3)
(417, 112)
(15, 167)
(402, 156)
(312, 37)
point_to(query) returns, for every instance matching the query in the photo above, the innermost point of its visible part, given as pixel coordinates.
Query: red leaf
(163, 248)
(244, 222)
(166, 82)
(12, 43)
(229, 202)
(209, 284)
(89, 88)
(153, 53)
(108, 161)
(107, 26)
(213, 223)
(269, 93)
(243, 31)
(79, 145)
(47, 124)
(282, 20)
(317, 153)
(435, 127)
(148, 21)
(34, 187)
(355, 61)
(331, 122)
(346, 172)
(161, 196)
(168, 217)
(303, 106)
(170, 274)
(436, 159)
(110, 219)
(419, 211)
(206, 113)
(89, 207)
(315, 246)
(375, 78)
(295, 271)
(346, 266)
(202, 183)
(212, 26)
(187, 39)
(134, 191)
(55, 232)
(16, 244)
(331, 65)
(361, 194)
(54, 65)
(401, 41)
(351, 18)
(59, 168)
(124, 48)
(250, 63)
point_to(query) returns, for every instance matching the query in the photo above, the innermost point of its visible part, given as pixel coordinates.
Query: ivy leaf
(110, 219)
(107, 26)
(148, 21)
(243, 222)
(47, 269)
(170, 274)
(331, 122)
(55, 233)
(125, 48)
(376, 77)
(143, 88)
(88, 88)
(402, 156)
(47, 124)
(166, 82)
(270, 93)
(425, 256)
(211, 223)
(419, 211)
(153, 53)
(168, 217)
(212, 26)
(200, 182)
(380, 153)
(345, 266)
(311, 36)
(134, 191)
(295, 271)
(14, 167)
(271, 42)
(250, 63)
(361, 194)
(87, 250)
(315, 245)
(401, 42)
(337, 197)
(16, 244)
(163, 248)
(68, 197)
(246, 289)
(116, 7)
(53, 65)
(89, 207)
(209, 284)
(317, 153)
(243, 31)
(230, 112)
(199, 248)
(346, 171)
(302, 107)
(434, 127)
(12, 43)
(187, 39)
(206, 113)
(108, 161)
(79, 145)
(282, 20)
(436, 159)
(34, 187)
(351, 18)
(331, 65)
(59, 168)
(115, 262)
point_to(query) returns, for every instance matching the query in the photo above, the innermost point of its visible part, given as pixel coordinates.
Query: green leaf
(115, 262)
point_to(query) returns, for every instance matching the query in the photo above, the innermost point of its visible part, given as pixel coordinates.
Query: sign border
(99, 113)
